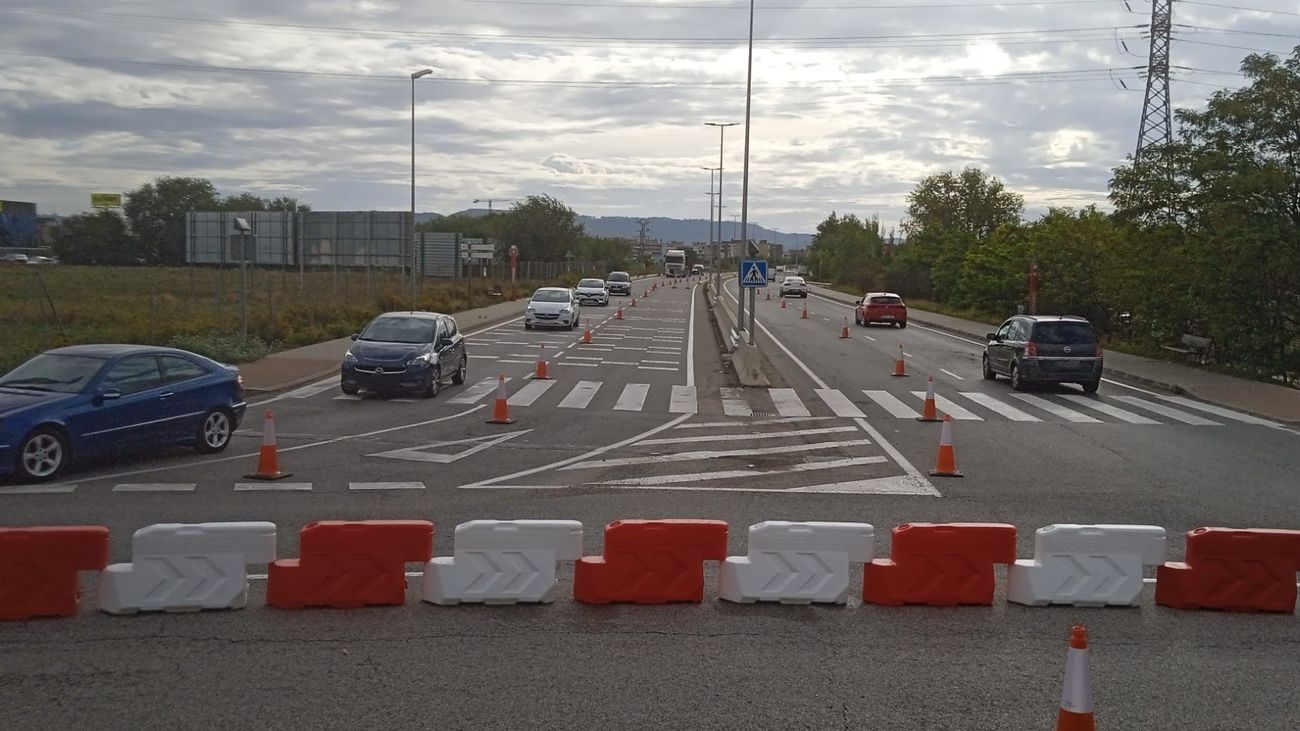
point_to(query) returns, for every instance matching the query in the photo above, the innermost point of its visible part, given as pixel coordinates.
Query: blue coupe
(85, 401)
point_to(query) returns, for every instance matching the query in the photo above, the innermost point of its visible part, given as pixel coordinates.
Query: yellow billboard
(106, 200)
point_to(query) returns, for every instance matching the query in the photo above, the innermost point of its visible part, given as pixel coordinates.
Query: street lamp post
(415, 280)
(712, 257)
(722, 136)
(744, 185)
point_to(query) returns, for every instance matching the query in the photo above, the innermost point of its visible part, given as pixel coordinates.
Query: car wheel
(350, 390)
(43, 455)
(459, 377)
(1017, 382)
(901, 325)
(214, 432)
(989, 373)
(435, 383)
(1091, 386)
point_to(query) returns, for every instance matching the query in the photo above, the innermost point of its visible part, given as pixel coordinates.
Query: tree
(848, 250)
(973, 202)
(542, 227)
(157, 211)
(96, 238)
(250, 202)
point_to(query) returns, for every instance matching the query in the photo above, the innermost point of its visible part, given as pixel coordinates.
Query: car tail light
(1031, 349)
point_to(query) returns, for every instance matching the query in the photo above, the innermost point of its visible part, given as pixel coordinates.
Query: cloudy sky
(601, 103)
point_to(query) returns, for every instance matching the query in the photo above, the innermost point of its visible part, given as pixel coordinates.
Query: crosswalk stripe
(733, 404)
(751, 435)
(946, 405)
(1055, 409)
(693, 456)
(581, 395)
(347, 397)
(1217, 411)
(156, 487)
(475, 392)
(532, 391)
(660, 362)
(839, 403)
(655, 368)
(633, 397)
(37, 489)
(576, 364)
(888, 402)
(312, 389)
(684, 400)
(1167, 411)
(787, 402)
(385, 485)
(1107, 409)
(992, 404)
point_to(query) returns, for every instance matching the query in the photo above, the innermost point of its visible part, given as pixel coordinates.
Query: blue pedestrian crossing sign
(753, 273)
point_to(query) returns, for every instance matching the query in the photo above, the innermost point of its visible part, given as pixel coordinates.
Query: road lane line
(839, 403)
(735, 474)
(890, 403)
(385, 485)
(581, 395)
(529, 393)
(713, 454)
(1167, 411)
(787, 402)
(1225, 413)
(155, 487)
(684, 400)
(577, 365)
(1105, 408)
(312, 389)
(633, 397)
(992, 404)
(1055, 409)
(750, 423)
(733, 403)
(272, 486)
(954, 375)
(947, 406)
(37, 489)
(475, 392)
(751, 435)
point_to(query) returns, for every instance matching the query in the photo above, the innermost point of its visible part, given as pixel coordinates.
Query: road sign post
(514, 266)
(753, 276)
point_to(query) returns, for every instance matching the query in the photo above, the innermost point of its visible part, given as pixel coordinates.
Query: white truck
(675, 263)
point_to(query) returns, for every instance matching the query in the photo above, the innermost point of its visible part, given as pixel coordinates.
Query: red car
(884, 307)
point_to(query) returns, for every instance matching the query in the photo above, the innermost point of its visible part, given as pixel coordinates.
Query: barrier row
(188, 567)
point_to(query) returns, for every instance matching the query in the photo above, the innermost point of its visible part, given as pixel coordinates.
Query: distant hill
(688, 230)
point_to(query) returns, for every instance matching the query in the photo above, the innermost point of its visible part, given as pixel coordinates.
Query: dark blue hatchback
(85, 401)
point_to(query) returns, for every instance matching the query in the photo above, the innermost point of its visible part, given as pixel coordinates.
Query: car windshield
(619, 277)
(1064, 333)
(399, 330)
(55, 373)
(794, 280)
(550, 295)
(592, 284)
(886, 300)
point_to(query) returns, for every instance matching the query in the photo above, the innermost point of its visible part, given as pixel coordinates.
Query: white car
(552, 307)
(592, 292)
(794, 286)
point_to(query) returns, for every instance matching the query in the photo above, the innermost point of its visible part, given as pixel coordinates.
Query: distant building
(20, 227)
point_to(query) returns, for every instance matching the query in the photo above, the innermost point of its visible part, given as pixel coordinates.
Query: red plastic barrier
(38, 568)
(940, 564)
(651, 562)
(1237, 570)
(345, 564)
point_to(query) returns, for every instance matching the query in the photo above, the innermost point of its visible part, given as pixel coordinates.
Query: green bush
(224, 348)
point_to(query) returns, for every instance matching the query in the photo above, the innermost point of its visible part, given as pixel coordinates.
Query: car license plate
(1070, 365)
(886, 317)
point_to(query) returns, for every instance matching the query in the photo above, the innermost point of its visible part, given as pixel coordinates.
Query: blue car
(85, 401)
(403, 352)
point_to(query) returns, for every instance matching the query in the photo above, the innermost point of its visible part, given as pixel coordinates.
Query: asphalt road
(632, 442)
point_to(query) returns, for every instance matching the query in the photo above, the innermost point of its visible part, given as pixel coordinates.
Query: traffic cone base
(900, 367)
(804, 316)
(501, 410)
(268, 460)
(844, 331)
(931, 411)
(946, 465)
(542, 374)
(783, 303)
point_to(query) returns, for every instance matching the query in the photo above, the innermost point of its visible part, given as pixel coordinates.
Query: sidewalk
(1253, 397)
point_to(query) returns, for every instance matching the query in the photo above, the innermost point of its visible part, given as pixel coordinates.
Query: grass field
(199, 308)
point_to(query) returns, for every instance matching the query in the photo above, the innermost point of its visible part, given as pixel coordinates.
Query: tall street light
(712, 258)
(722, 136)
(744, 185)
(415, 281)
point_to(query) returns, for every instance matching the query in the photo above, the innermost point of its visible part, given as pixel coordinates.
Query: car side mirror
(991, 337)
(857, 302)
(108, 394)
(356, 335)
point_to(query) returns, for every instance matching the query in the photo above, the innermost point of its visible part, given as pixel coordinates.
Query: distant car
(619, 283)
(697, 270)
(87, 401)
(885, 307)
(592, 292)
(405, 351)
(41, 260)
(13, 259)
(1032, 349)
(772, 274)
(552, 307)
(794, 286)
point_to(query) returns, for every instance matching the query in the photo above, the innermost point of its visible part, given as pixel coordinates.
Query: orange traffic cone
(844, 331)
(586, 333)
(268, 462)
(900, 368)
(541, 374)
(783, 303)
(931, 412)
(947, 463)
(634, 301)
(769, 296)
(501, 411)
(619, 315)
(1076, 693)
(804, 315)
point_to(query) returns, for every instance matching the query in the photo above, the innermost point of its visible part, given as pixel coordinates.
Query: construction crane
(489, 201)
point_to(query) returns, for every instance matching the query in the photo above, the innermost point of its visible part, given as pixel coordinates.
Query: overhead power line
(745, 6)
(1240, 7)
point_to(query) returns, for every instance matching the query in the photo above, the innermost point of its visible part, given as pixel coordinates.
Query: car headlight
(529, 310)
(423, 359)
(348, 357)
(565, 310)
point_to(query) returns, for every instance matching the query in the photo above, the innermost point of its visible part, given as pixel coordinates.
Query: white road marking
(655, 368)
(1167, 411)
(1055, 409)
(155, 487)
(735, 474)
(839, 403)
(684, 400)
(584, 357)
(347, 397)
(750, 435)
(385, 485)
(1107, 409)
(868, 337)
(749, 423)
(992, 404)
(633, 397)
(37, 489)
(890, 403)
(517, 362)
(661, 362)
(906, 355)
(733, 404)
(877, 486)
(312, 389)
(946, 405)
(272, 486)
(621, 362)
(714, 454)
(581, 395)
(1225, 413)
(954, 375)
(787, 402)
(529, 393)
(421, 453)
(476, 392)
(579, 365)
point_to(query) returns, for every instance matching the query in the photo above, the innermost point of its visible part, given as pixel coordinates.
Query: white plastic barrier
(177, 567)
(796, 563)
(1086, 565)
(503, 562)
